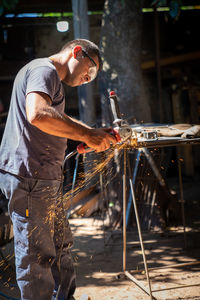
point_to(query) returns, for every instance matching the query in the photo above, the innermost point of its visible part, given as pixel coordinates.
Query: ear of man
(77, 51)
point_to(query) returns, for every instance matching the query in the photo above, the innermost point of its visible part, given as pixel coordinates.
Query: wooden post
(157, 59)
(81, 30)
(185, 151)
(194, 98)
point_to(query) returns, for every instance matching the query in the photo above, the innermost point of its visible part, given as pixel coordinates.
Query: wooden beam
(172, 60)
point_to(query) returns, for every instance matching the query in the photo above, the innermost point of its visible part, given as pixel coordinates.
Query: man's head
(81, 62)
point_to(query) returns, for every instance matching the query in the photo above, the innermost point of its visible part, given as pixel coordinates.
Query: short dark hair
(88, 46)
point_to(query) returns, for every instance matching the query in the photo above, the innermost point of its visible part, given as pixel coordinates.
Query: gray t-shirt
(26, 150)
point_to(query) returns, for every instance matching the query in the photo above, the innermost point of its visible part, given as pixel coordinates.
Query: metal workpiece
(151, 135)
(136, 137)
(125, 133)
(146, 136)
(140, 142)
(132, 140)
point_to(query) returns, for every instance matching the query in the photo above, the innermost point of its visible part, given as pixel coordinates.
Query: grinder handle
(115, 106)
(83, 148)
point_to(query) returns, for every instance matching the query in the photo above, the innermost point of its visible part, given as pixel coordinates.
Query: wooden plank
(194, 98)
(183, 152)
(90, 206)
(171, 60)
(74, 200)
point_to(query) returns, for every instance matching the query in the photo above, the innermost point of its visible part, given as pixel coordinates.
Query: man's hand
(100, 139)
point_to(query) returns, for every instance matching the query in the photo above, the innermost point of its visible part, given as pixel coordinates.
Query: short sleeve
(42, 79)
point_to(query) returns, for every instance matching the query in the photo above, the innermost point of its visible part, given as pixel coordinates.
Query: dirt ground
(98, 256)
(99, 263)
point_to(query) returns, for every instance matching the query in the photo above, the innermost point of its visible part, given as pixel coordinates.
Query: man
(31, 156)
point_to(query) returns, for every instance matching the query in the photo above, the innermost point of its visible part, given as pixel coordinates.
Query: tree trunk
(121, 47)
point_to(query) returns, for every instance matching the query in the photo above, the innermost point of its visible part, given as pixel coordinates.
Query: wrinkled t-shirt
(26, 150)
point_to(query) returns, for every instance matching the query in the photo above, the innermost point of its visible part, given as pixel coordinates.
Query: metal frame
(148, 291)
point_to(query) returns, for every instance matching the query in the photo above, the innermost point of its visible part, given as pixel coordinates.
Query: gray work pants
(42, 237)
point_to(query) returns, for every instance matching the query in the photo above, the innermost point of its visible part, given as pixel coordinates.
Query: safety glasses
(92, 72)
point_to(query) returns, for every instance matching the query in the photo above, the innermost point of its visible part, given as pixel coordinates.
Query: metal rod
(153, 166)
(124, 212)
(163, 142)
(69, 212)
(75, 171)
(137, 282)
(182, 201)
(177, 287)
(134, 179)
(169, 266)
(139, 230)
(102, 193)
(140, 234)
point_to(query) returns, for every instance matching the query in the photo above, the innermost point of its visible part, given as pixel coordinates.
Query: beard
(72, 80)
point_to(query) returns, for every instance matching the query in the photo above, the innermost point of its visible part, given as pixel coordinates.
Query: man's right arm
(41, 114)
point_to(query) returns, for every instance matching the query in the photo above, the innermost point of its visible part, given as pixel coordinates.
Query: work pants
(42, 237)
